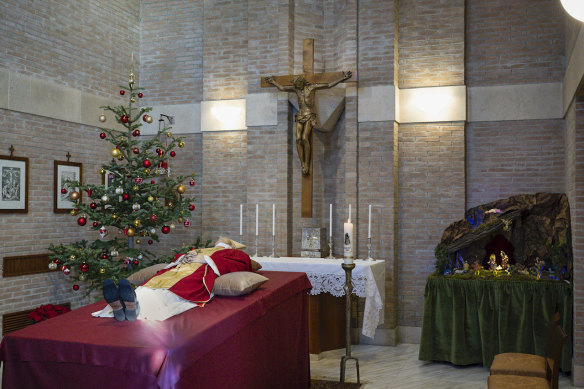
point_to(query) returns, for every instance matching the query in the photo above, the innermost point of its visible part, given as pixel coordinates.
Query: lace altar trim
(333, 284)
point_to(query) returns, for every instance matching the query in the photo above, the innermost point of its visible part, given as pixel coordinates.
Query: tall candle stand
(330, 245)
(241, 238)
(273, 255)
(348, 288)
(369, 249)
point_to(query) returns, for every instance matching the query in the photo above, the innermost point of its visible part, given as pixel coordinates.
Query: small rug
(320, 384)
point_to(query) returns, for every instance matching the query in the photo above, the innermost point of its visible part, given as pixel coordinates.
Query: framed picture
(13, 184)
(65, 171)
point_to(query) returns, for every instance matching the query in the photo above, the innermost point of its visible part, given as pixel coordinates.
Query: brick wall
(574, 186)
(87, 49)
(376, 24)
(431, 43)
(171, 51)
(431, 196)
(42, 141)
(518, 44)
(514, 157)
(224, 182)
(262, 43)
(225, 49)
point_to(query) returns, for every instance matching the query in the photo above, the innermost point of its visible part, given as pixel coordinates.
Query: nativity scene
(291, 194)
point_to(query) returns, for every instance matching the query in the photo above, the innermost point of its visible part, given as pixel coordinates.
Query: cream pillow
(237, 283)
(145, 274)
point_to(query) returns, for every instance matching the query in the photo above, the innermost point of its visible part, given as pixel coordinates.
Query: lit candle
(331, 220)
(257, 219)
(369, 229)
(273, 219)
(240, 219)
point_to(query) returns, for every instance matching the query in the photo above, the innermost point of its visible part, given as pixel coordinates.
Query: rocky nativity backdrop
(450, 106)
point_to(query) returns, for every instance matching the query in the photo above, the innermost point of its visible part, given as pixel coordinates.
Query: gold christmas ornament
(137, 223)
(72, 257)
(101, 270)
(102, 118)
(180, 219)
(181, 189)
(121, 157)
(73, 212)
(115, 153)
(138, 241)
(82, 277)
(181, 144)
(133, 99)
(102, 171)
(169, 134)
(131, 231)
(149, 119)
(136, 188)
(74, 195)
(150, 199)
(147, 171)
(170, 204)
(172, 226)
(105, 198)
(114, 216)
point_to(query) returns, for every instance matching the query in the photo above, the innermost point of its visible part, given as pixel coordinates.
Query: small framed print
(65, 171)
(13, 184)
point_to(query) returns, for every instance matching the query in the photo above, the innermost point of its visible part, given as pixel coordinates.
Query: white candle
(273, 219)
(348, 243)
(349, 213)
(240, 219)
(257, 214)
(369, 229)
(331, 220)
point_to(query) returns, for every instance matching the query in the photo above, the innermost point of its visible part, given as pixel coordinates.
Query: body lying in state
(187, 282)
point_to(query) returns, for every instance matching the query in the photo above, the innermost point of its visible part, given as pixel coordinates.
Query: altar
(328, 278)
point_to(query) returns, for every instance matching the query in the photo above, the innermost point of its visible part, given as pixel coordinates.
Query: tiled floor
(399, 367)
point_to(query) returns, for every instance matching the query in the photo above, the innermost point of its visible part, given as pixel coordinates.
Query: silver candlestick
(330, 244)
(273, 255)
(348, 288)
(369, 250)
(256, 246)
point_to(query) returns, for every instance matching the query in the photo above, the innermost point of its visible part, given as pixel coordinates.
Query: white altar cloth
(327, 276)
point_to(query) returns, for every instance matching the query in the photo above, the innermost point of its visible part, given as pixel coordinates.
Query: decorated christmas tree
(139, 199)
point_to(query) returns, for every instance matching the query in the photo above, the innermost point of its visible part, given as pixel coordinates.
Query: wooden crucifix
(305, 86)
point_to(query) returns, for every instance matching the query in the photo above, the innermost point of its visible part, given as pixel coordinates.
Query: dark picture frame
(63, 171)
(13, 184)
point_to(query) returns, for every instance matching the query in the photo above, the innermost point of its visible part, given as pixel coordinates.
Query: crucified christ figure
(306, 116)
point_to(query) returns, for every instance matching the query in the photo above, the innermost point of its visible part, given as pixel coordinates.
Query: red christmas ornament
(192, 207)
(135, 262)
(63, 268)
(81, 221)
(145, 117)
(140, 95)
(150, 241)
(147, 163)
(165, 164)
(104, 256)
(95, 224)
(124, 119)
(136, 150)
(165, 229)
(187, 223)
(75, 287)
(66, 271)
(122, 92)
(93, 205)
(89, 192)
(173, 153)
(153, 218)
(63, 190)
(192, 182)
(152, 182)
(126, 197)
(102, 135)
(84, 267)
(138, 180)
(136, 132)
(57, 261)
(159, 151)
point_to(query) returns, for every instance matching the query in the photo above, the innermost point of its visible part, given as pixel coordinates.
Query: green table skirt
(470, 321)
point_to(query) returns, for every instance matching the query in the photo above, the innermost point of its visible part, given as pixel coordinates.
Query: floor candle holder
(348, 288)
